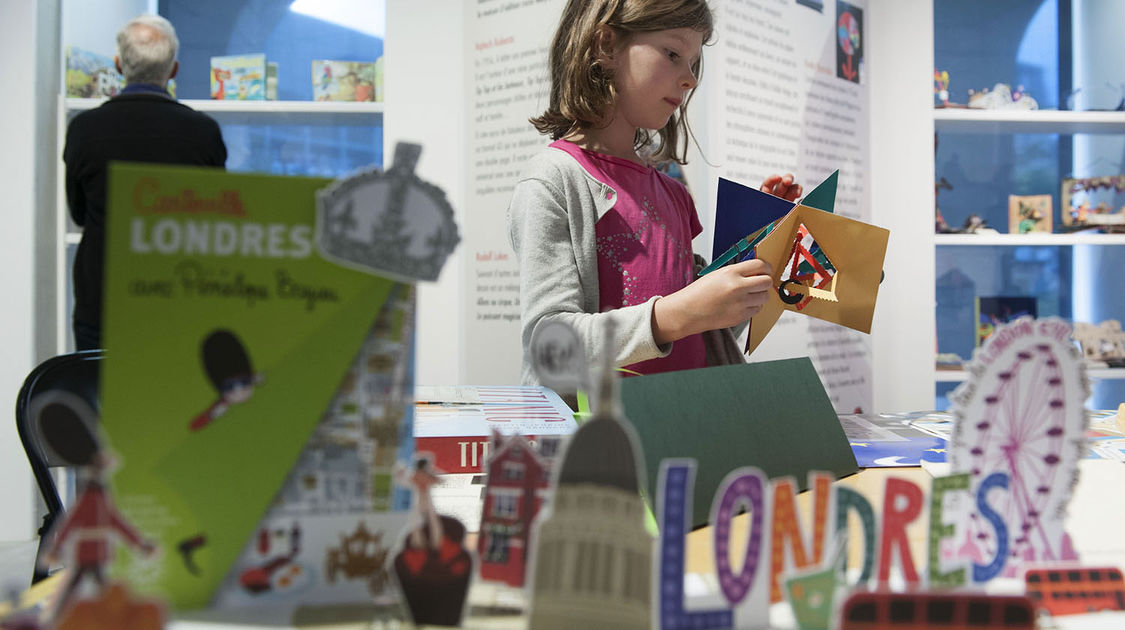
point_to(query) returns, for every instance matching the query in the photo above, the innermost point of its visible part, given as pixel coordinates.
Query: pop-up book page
(1019, 432)
(257, 391)
(824, 265)
(743, 216)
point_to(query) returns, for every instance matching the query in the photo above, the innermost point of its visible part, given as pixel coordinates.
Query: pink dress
(644, 244)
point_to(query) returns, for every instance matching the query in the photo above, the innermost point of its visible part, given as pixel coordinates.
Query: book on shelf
(91, 75)
(379, 80)
(346, 81)
(991, 311)
(239, 77)
(271, 80)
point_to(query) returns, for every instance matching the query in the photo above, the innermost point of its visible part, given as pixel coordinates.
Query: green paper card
(256, 393)
(774, 415)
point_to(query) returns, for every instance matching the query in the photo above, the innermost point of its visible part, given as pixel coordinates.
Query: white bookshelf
(959, 120)
(957, 376)
(1014, 240)
(255, 107)
(259, 112)
(978, 121)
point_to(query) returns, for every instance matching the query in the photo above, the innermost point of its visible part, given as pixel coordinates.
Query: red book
(454, 423)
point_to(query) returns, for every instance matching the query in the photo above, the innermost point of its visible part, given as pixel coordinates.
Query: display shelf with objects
(289, 130)
(1027, 121)
(1060, 120)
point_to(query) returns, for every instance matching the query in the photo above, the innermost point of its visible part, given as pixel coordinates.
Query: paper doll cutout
(433, 568)
(66, 424)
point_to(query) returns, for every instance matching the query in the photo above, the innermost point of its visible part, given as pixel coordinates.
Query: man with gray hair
(143, 123)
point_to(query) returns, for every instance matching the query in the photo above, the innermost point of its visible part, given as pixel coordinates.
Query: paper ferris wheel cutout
(1023, 415)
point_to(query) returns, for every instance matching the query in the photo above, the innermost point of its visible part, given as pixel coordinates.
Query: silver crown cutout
(387, 222)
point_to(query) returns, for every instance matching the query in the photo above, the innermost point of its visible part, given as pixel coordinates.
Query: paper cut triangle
(741, 210)
(823, 197)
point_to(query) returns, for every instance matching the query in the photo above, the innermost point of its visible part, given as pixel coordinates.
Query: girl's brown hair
(582, 91)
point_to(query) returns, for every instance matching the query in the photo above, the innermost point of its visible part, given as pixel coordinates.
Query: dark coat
(137, 127)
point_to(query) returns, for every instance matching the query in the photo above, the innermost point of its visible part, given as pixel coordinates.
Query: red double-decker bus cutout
(1070, 591)
(934, 610)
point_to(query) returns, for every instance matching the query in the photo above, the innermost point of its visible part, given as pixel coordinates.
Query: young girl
(598, 231)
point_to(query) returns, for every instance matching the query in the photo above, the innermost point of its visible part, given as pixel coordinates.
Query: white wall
(27, 122)
(900, 57)
(425, 90)
(93, 26)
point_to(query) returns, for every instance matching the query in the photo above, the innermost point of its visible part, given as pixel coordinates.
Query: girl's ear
(604, 41)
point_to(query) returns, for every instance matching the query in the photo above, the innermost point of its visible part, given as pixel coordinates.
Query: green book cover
(256, 393)
(773, 415)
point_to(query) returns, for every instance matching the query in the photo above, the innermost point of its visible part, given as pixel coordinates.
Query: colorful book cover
(238, 77)
(352, 81)
(90, 75)
(379, 93)
(456, 424)
(896, 440)
(257, 393)
(993, 311)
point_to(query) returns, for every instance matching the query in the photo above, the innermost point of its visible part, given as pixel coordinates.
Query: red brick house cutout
(518, 480)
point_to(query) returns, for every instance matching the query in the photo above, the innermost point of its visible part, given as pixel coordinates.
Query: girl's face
(653, 74)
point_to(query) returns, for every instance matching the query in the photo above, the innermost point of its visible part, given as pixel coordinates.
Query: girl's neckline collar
(606, 157)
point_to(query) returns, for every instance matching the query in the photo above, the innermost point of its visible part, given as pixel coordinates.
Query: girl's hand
(782, 186)
(723, 298)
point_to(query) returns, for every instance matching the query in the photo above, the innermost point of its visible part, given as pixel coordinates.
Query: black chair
(76, 373)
